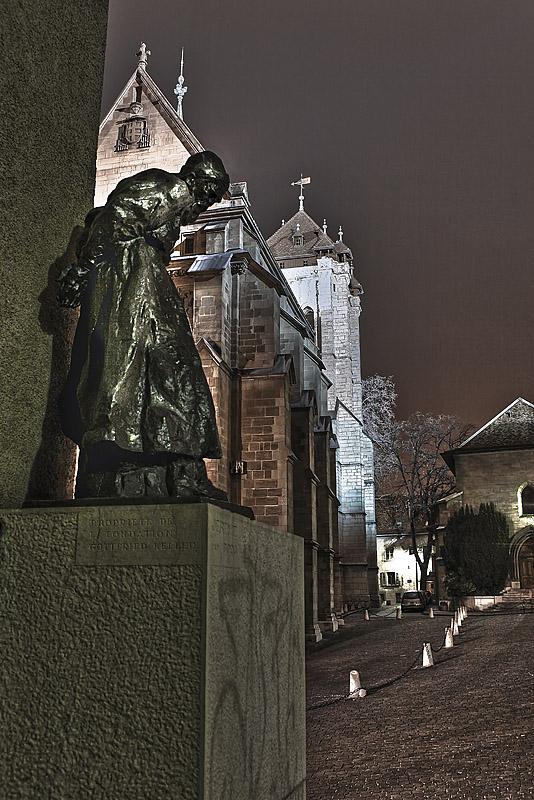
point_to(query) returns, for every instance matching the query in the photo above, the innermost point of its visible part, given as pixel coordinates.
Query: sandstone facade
(284, 447)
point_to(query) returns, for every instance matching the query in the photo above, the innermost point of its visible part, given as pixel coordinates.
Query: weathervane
(301, 183)
(180, 89)
(142, 56)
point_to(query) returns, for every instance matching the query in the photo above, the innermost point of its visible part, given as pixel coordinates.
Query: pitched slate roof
(512, 428)
(324, 242)
(341, 247)
(281, 243)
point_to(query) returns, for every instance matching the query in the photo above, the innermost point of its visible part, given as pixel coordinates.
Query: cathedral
(276, 324)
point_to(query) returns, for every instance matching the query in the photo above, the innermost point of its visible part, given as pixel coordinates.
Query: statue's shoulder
(153, 178)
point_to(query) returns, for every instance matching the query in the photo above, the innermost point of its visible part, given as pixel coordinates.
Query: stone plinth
(151, 652)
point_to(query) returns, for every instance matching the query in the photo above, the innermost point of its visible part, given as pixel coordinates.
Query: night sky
(415, 121)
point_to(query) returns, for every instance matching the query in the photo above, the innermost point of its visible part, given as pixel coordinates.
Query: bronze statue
(136, 399)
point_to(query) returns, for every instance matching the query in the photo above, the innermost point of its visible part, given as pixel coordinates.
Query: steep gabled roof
(512, 428)
(281, 242)
(324, 242)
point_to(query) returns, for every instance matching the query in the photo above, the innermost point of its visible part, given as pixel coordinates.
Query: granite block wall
(150, 651)
(53, 61)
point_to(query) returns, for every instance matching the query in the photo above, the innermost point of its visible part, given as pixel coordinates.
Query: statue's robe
(136, 378)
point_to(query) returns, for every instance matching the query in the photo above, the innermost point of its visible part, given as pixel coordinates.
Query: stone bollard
(366, 615)
(449, 641)
(399, 613)
(355, 686)
(454, 627)
(431, 613)
(428, 660)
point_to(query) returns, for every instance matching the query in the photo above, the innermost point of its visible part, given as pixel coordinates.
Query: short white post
(431, 613)
(399, 613)
(355, 686)
(366, 615)
(449, 641)
(458, 619)
(428, 660)
(454, 627)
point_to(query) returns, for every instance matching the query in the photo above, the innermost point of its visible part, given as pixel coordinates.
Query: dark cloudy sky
(415, 121)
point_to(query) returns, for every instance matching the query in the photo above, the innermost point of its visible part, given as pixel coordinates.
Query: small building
(496, 465)
(398, 571)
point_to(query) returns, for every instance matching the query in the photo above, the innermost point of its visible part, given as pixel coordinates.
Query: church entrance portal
(526, 564)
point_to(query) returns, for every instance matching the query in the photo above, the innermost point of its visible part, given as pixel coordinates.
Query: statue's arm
(72, 283)
(73, 279)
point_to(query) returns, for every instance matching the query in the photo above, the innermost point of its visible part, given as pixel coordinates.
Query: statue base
(153, 650)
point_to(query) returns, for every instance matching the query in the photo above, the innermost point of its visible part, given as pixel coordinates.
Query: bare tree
(379, 399)
(417, 476)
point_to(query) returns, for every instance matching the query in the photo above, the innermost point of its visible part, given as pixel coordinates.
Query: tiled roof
(513, 427)
(324, 242)
(281, 242)
(341, 247)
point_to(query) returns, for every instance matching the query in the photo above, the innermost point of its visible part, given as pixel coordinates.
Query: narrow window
(527, 500)
(310, 318)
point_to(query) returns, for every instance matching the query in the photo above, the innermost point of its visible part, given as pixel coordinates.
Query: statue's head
(206, 177)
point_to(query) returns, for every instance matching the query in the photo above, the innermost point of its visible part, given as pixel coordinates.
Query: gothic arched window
(310, 318)
(527, 500)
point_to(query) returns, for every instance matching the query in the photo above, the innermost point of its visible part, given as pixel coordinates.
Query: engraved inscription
(124, 536)
(226, 543)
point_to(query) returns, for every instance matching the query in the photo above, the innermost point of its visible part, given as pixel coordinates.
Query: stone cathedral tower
(321, 275)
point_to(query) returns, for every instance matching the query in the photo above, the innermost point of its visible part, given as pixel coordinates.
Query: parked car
(414, 601)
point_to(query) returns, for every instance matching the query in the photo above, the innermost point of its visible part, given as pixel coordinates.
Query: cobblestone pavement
(461, 730)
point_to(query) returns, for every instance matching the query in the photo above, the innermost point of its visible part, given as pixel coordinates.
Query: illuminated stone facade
(258, 349)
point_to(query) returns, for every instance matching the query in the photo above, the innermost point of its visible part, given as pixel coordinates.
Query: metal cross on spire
(180, 89)
(301, 183)
(142, 56)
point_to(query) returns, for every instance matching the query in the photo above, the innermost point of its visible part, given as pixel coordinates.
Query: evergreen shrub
(476, 551)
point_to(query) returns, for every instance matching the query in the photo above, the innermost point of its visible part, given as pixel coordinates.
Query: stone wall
(266, 447)
(495, 478)
(166, 150)
(53, 61)
(151, 651)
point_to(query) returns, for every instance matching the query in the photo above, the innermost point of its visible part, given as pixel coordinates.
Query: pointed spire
(340, 234)
(325, 226)
(180, 89)
(142, 56)
(301, 183)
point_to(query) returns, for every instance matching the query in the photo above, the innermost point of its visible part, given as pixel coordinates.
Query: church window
(527, 501)
(310, 318)
(282, 265)
(297, 241)
(305, 263)
(388, 553)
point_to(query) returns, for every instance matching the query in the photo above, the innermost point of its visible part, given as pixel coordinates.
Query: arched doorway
(522, 555)
(526, 564)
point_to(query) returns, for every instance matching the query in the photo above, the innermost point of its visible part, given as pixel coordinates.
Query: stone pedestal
(151, 651)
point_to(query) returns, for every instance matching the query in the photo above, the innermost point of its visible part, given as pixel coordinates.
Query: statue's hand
(72, 283)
